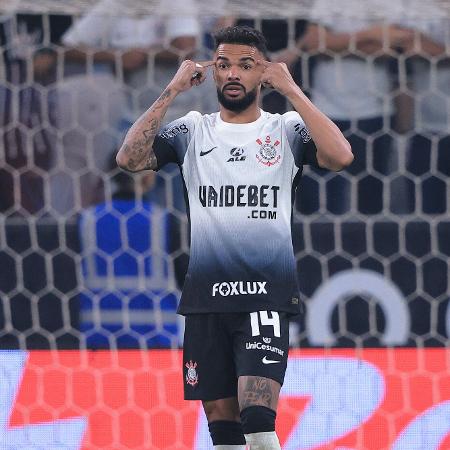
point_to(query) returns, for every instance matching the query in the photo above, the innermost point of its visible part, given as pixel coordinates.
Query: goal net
(92, 260)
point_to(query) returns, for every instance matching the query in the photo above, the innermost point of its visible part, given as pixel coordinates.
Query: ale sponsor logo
(237, 154)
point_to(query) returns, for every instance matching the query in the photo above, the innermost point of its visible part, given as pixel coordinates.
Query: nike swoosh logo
(269, 361)
(208, 151)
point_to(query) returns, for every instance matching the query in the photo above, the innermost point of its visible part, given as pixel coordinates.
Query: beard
(237, 104)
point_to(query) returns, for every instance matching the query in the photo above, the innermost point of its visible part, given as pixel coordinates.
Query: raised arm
(136, 153)
(368, 40)
(425, 45)
(317, 38)
(333, 150)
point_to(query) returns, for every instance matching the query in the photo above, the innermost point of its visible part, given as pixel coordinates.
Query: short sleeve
(302, 146)
(173, 140)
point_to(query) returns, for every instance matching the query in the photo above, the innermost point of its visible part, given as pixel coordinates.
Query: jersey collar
(227, 126)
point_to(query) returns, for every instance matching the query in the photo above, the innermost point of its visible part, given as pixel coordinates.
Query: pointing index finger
(204, 64)
(200, 69)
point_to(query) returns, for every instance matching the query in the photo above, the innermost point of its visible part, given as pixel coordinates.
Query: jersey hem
(292, 312)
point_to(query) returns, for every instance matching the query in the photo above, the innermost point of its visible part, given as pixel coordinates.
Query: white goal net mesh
(92, 258)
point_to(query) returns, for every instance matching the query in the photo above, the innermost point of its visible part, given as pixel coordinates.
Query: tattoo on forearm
(142, 135)
(258, 391)
(150, 134)
(160, 103)
(141, 147)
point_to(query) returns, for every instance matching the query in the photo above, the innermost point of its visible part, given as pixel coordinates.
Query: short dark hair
(243, 35)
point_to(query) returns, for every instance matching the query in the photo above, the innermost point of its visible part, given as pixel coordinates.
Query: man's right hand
(189, 74)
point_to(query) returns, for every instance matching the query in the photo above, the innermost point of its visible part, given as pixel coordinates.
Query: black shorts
(220, 347)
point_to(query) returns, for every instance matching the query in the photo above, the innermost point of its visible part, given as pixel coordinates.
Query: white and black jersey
(240, 180)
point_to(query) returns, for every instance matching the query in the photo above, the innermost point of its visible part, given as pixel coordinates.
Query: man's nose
(233, 73)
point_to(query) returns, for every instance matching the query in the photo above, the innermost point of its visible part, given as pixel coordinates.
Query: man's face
(237, 75)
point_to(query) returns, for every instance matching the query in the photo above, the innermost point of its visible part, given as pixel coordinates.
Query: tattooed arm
(136, 152)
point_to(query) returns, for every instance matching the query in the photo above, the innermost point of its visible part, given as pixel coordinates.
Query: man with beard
(240, 167)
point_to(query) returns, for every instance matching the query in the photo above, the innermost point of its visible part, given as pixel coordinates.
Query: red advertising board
(374, 399)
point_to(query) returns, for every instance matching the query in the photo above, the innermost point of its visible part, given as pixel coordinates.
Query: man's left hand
(277, 76)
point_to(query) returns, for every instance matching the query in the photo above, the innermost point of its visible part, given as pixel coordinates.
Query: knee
(258, 419)
(224, 422)
(224, 409)
(226, 433)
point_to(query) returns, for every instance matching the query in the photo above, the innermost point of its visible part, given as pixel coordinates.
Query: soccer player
(240, 167)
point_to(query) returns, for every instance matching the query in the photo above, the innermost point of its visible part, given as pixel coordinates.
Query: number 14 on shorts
(262, 318)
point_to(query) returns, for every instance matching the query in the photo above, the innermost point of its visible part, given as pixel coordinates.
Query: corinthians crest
(191, 375)
(268, 152)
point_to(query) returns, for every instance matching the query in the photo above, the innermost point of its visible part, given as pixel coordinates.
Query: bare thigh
(258, 391)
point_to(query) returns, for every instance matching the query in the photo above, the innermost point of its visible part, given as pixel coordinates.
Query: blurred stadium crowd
(72, 86)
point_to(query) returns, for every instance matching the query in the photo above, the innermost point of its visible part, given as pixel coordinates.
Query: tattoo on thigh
(258, 391)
